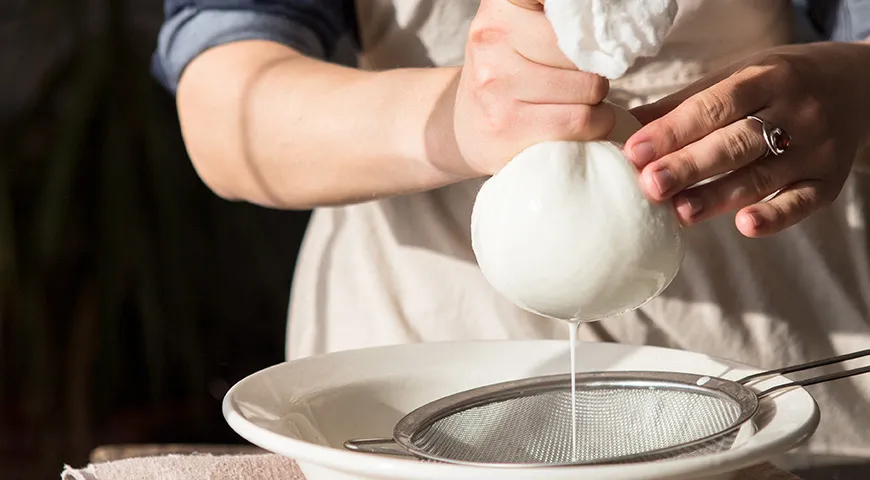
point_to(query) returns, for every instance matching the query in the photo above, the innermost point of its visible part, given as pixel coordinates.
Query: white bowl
(306, 409)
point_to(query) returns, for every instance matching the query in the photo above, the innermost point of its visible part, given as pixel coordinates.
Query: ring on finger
(776, 139)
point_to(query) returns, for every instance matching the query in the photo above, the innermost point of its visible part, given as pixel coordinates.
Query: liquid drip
(573, 327)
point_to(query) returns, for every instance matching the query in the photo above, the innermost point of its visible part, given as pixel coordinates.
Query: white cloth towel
(607, 36)
(266, 466)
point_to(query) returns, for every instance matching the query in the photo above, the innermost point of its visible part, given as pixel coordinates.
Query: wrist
(423, 121)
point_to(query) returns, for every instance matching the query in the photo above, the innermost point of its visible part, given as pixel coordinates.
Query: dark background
(131, 297)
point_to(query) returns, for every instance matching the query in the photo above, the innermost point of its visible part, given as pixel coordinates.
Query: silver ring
(777, 139)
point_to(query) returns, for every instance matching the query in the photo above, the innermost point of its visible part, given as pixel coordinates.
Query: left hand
(817, 93)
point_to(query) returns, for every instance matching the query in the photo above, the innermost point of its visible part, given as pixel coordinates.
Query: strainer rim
(424, 416)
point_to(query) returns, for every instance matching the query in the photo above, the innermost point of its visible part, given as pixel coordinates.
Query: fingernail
(751, 221)
(664, 181)
(642, 154)
(688, 207)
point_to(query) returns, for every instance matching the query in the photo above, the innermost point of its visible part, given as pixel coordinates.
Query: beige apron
(402, 270)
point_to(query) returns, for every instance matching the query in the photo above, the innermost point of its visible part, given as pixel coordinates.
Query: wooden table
(109, 453)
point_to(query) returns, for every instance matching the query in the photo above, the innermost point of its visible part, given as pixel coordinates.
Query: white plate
(306, 409)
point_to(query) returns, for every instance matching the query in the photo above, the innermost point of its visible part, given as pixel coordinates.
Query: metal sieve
(621, 417)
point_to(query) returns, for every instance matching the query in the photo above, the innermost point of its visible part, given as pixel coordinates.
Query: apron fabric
(401, 270)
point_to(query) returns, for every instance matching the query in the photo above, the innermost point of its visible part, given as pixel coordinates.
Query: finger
(553, 85)
(564, 122)
(701, 114)
(652, 111)
(532, 35)
(738, 189)
(519, 51)
(729, 148)
(788, 207)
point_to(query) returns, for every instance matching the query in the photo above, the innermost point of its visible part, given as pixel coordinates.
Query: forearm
(269, 126)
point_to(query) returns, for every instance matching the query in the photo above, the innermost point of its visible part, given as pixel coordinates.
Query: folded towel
(191, 467)
(257, 467)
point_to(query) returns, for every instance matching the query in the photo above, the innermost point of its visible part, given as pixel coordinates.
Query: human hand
(517, 88)
(814, 92)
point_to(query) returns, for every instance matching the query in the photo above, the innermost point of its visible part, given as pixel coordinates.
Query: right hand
(517, 88)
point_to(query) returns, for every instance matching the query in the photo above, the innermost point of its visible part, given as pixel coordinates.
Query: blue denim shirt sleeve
(327, 28)
(323, 29)
(839, 20)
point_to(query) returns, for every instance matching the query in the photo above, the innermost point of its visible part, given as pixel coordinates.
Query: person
(386, 116)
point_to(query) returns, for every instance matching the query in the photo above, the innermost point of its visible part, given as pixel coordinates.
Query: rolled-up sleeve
(840, 20)
(323, 29)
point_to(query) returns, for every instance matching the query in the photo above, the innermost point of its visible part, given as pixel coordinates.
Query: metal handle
(809, 366)
(381, 446)
(815, 380)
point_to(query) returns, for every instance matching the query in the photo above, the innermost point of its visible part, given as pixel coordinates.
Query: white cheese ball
(565, 231)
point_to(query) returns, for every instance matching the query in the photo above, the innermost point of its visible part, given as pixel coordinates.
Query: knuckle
(780, 214)
(743, 143)
(814, 108)
(482, 32)
(579, 120)
(783, 67)
(690, 168)
(497, 118)
(683, 166)
(814, 114)
(483, 77)
(806, 201)
(667, 136)
(714, 107)
(752, 68)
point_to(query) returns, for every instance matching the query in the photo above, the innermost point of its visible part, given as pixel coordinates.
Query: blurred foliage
(114, 278)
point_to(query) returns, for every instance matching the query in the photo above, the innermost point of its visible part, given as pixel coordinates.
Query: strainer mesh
(611, 423)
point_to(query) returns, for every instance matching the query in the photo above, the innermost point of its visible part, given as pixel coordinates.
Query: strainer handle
(380, 446)
(809, 365)
(814, 380)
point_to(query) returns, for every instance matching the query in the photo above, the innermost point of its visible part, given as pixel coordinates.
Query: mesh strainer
(621, 417)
